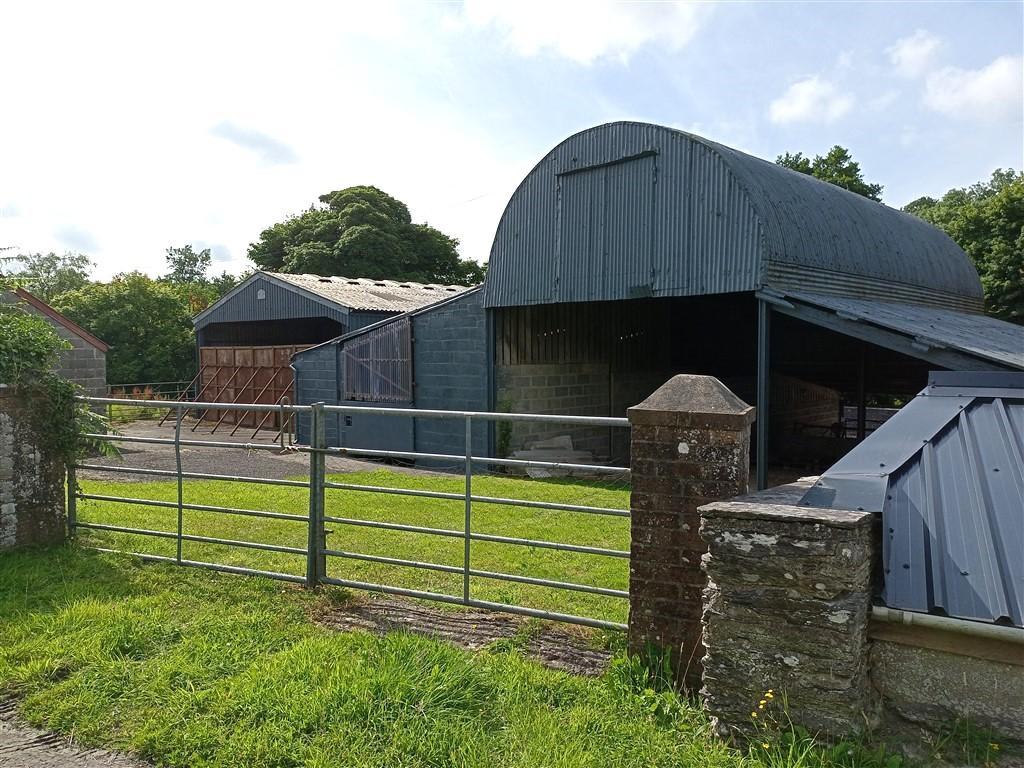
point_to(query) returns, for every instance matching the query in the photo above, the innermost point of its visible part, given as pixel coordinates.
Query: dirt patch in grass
(22, 746)
(556, 648)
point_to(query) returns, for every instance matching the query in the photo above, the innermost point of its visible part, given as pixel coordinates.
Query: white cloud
(990, 93)
(913, 56)
(586, 30)
(811, 100)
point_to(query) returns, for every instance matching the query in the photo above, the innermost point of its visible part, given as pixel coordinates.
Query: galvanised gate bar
(316, 550)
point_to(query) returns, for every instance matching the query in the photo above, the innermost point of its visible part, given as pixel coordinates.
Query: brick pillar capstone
(31, 476)
(689, 445)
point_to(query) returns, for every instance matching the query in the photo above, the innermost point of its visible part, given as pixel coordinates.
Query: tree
(837, 167)
(363, 232)
(187, 266)
(987, 221)
(49, 274)
(146, 322)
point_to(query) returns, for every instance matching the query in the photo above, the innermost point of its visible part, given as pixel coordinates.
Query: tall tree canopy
(185, 265)
(363, 232)
(47, 275)
(987, 221)
(146, 322)
(836, 167)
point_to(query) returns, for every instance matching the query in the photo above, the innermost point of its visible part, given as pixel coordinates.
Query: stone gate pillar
(690, 445)
(31, 476)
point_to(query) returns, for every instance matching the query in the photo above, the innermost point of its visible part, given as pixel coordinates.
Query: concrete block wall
(575, 390)
(83, 363)
(451, 373)
(316, 379)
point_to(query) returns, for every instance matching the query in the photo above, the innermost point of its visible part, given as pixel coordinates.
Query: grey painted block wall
(451, 373)
(316, 380)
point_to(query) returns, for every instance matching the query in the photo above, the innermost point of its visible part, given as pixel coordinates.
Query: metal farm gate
(323, 509)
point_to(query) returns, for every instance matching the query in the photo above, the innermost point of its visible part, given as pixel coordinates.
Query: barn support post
(316, 560)
(763, 389)
(689, 445)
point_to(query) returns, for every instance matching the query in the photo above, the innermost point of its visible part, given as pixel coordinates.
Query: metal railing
(316, 552)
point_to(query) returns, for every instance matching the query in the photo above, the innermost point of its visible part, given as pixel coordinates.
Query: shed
(85, 362)
(434, 357)
(633, 252)
(946, 475)
(246, 339)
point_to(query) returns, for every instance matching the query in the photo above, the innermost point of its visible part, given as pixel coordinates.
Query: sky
(127, 128)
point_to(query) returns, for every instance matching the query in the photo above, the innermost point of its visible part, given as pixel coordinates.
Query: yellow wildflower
(762, 702)
(994, 746)
(769, 695)
(753, 714)
(764, 744)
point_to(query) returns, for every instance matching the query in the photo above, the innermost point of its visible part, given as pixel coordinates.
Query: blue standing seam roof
(947, 475)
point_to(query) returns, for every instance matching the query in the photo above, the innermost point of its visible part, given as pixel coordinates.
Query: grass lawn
(192, 668)
(567, 527)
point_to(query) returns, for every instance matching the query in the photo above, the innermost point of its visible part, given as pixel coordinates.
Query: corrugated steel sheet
(947, 475)
(976, 335)
(631, 209)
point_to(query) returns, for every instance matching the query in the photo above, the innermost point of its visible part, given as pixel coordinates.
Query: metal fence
(316, 551)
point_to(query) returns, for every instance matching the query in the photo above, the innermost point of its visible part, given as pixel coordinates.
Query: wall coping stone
(688, 400)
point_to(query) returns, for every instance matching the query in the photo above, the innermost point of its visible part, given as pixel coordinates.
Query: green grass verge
(567, 527)
(192, 668)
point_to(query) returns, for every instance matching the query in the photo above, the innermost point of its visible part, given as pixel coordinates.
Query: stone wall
(31, 477)
(786, 608)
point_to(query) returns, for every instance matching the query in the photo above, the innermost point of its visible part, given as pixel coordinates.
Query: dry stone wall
(31, 477)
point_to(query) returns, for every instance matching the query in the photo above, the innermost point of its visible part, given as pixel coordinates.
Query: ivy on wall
(28, 354)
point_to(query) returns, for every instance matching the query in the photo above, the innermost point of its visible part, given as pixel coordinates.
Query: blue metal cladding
(952, 501)
(631, 209)
(277, 303)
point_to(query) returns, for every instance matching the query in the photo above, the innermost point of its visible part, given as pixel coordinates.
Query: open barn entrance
(827, 390)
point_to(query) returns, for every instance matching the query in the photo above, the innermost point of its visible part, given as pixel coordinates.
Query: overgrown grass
(191, 668)
(568, 527)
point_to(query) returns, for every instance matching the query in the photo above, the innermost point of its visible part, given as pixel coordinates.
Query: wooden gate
(246, 375)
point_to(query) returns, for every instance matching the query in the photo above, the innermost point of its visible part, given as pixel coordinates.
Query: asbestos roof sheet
(946, 474)
(371, 295)
(973, 334)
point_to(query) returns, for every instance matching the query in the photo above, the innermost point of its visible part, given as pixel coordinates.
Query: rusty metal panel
(720, 221)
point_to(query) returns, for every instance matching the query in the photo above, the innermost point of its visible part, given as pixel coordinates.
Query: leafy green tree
(47, 275)
(187, 266)
(836, 167)
(147, 323)
(987, 221)
(363, 232)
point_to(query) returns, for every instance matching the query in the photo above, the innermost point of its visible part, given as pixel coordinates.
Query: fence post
(689, 445)
(469, 508)
(316, 565)
(177, 463)
(72, 483)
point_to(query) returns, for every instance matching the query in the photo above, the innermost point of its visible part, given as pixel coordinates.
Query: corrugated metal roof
(930, 328)
(947, 474)
(363, 293)
(632, 209)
